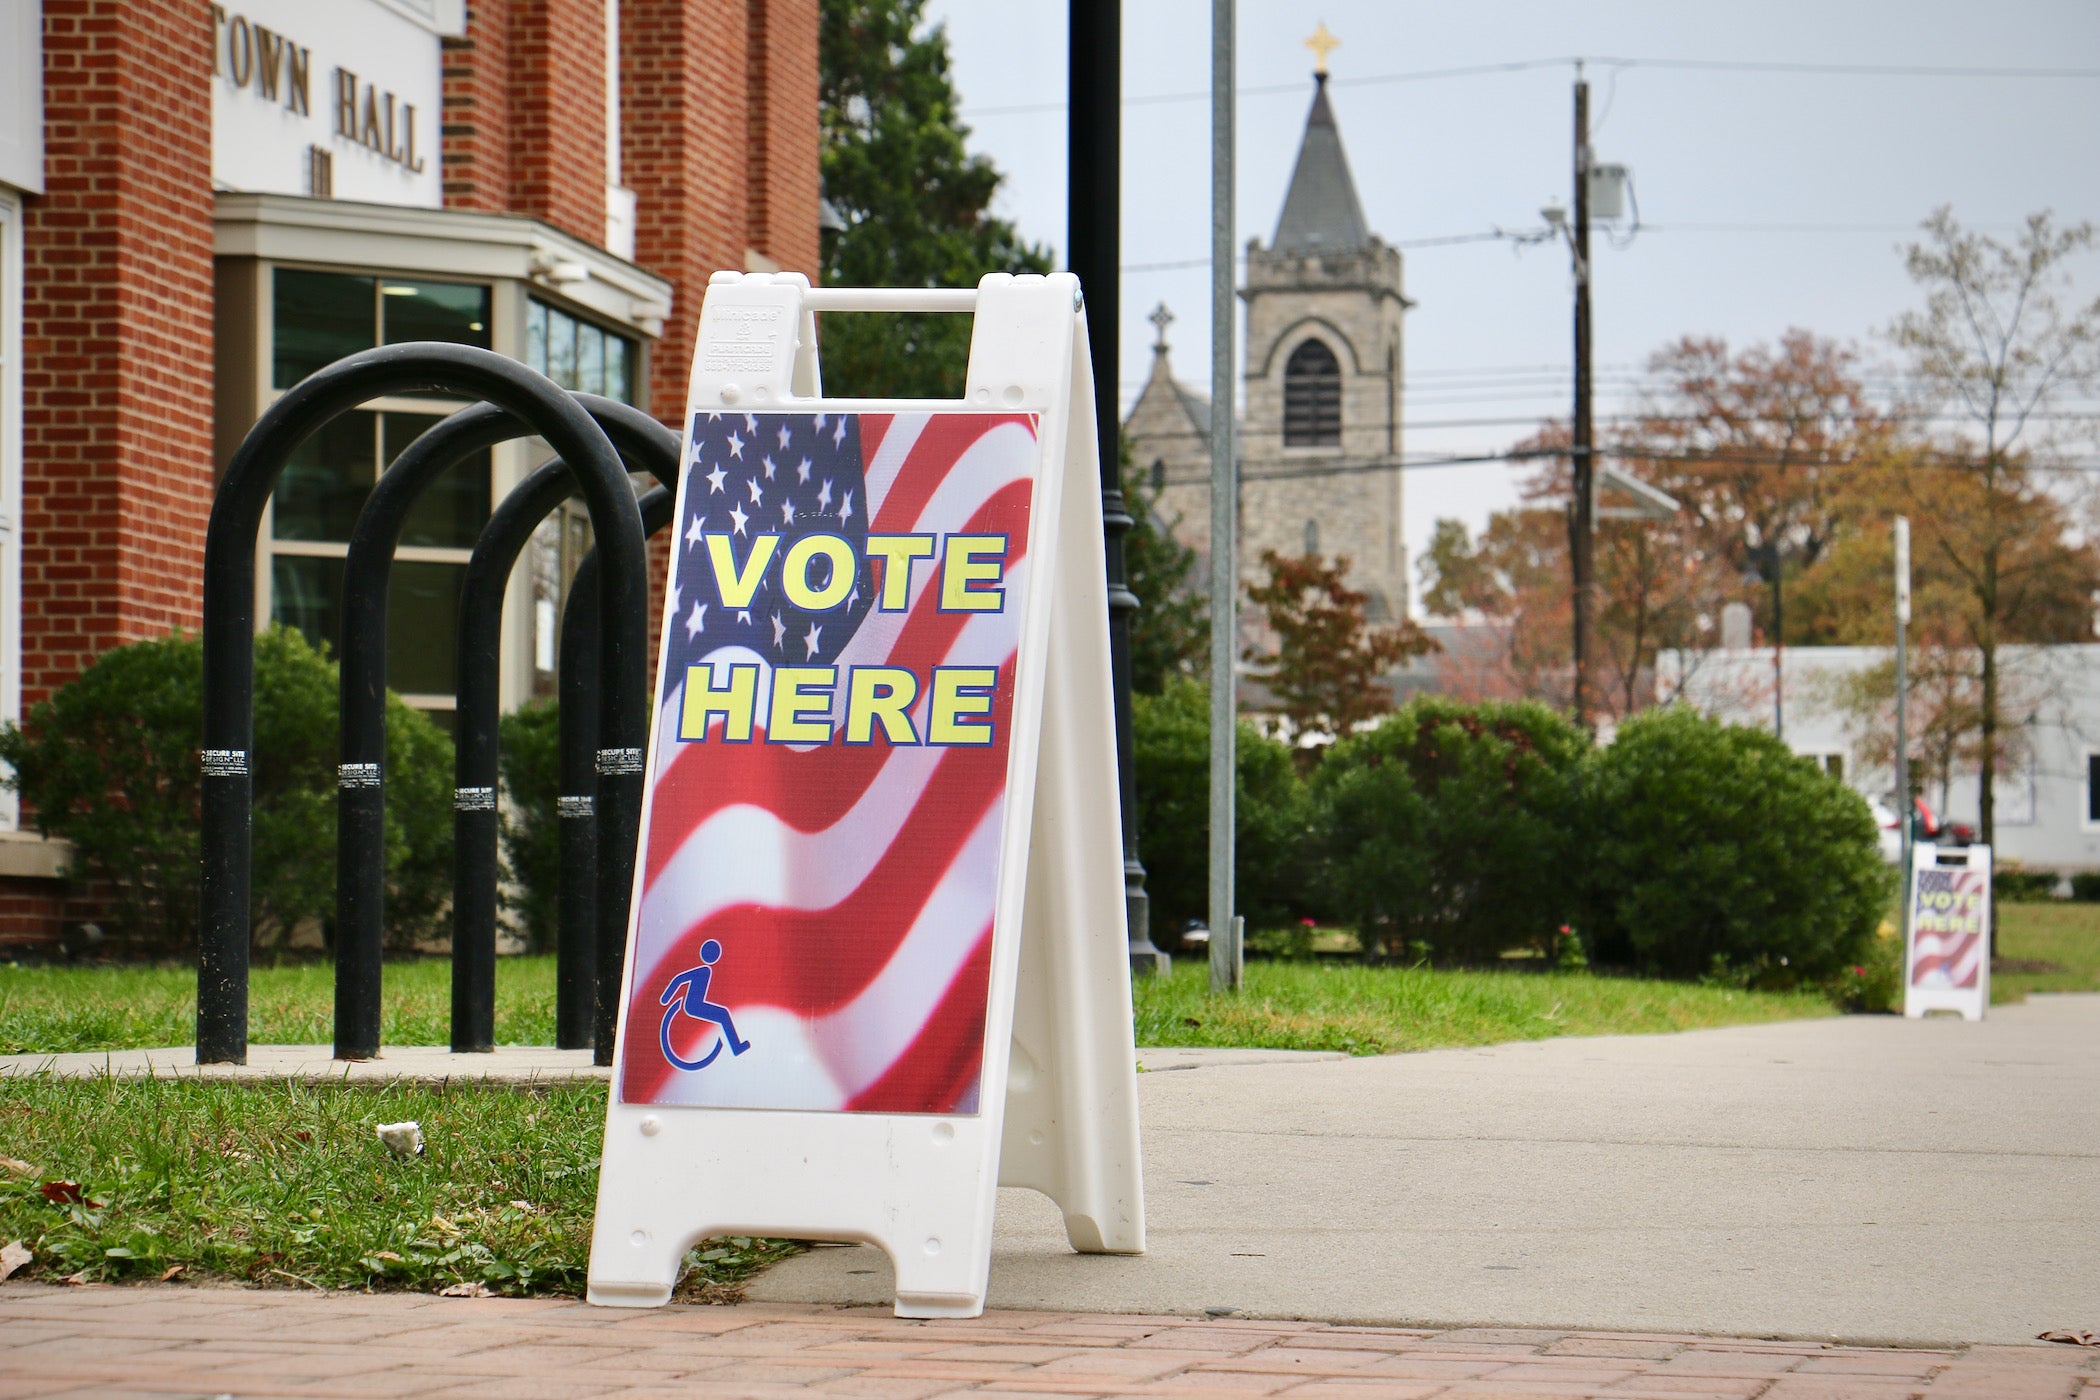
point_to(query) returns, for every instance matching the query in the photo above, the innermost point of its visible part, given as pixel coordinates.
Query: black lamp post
(1094, 176)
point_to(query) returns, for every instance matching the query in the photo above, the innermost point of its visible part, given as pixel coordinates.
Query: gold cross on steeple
(1322, 44)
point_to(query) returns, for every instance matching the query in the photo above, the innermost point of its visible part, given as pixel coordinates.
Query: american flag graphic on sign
(829, 771)
(1947, 934)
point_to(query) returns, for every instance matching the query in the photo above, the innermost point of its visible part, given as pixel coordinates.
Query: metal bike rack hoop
(229, 626)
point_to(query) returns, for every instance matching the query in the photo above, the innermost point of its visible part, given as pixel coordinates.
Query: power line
(1475, 70)
(1516, 457)
(1510, 235)
(1635, 419)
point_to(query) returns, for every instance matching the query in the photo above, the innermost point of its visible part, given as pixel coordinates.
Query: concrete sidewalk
(197, 1343)
(1865, 1178)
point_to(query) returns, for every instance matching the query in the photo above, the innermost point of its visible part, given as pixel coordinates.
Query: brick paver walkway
(212, 1342)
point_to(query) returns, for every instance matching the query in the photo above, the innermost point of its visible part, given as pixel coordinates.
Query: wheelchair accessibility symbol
(688, 994)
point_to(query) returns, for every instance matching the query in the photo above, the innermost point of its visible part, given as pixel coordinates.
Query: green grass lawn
(48, 1009)
(2064, 936)
(283, 1184)
(1287, 1005)
(1379, 1010)
(288, 1185)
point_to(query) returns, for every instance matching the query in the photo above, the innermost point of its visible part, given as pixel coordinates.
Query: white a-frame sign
(877, 964)
(1947, 932)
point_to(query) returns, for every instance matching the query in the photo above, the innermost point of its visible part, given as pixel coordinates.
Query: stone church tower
(1320, 443)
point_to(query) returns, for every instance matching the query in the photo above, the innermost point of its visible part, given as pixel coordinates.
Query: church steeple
(1321, 213)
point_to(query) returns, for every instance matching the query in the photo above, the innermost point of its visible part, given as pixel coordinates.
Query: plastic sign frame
(1947, 916)
(1055, 1104)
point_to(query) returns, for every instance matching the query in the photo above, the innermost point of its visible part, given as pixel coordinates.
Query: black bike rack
(643, 444)
(579, 658)
(582, 983)
(515, 392)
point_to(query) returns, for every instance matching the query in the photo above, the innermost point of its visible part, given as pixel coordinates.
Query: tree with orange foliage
(1757, 447)
(1328, 666)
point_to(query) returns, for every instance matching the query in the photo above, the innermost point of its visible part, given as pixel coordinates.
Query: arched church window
(1159, 473)
(1312, 397)
(1312, 537)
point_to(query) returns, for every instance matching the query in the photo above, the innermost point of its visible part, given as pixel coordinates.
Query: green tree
(1451, 826)
(1709, 849)
(914, 203)
(1327, 668)
(1171, 742)
(1170, 636)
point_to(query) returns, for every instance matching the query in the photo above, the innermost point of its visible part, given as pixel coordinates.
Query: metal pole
(1903, 804)
(1582, 517)
(1225, 961)
(1778, 643)
(1094, 216)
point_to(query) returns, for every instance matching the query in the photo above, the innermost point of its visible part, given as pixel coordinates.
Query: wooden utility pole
(1582, 503)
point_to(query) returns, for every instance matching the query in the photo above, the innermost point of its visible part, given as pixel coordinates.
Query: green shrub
(2085, 886)
(1714, 851)
(110, 764)
(1446, 825)
(2017, 886)
(1875, 982)
(531, 764)
(1171, 738)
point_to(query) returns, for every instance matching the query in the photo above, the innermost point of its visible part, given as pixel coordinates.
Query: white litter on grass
(402, 1139)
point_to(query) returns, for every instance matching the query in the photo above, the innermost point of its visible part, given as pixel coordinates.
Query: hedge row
(1449, 832)
(1459, 832)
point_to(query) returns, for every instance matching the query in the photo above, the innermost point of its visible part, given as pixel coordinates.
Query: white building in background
(2048, 794)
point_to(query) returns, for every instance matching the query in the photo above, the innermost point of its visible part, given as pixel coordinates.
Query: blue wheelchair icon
(687, 994)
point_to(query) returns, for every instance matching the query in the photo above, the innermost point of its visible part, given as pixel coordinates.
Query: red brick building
(202, 202)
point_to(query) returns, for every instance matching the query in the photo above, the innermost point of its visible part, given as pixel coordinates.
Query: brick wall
(683, 130)
(557, 114)
(117, 335)
(477, 144)
(781, 177)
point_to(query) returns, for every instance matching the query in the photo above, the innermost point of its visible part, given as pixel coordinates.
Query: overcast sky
(1770, 199)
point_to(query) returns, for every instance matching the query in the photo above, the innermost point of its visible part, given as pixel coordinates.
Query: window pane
(434, 311)
(590, 359)
(1312, 397)
(618, 358)
(2092, 787)
(308, 594)
(422, 654)
(561, 349)
(326, 480)
(452, 509)
(536, 335)
(316, 319)
(422, 616)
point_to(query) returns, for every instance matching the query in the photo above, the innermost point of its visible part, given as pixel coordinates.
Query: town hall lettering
(260, 59)
(257, 59)
(366, 114)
